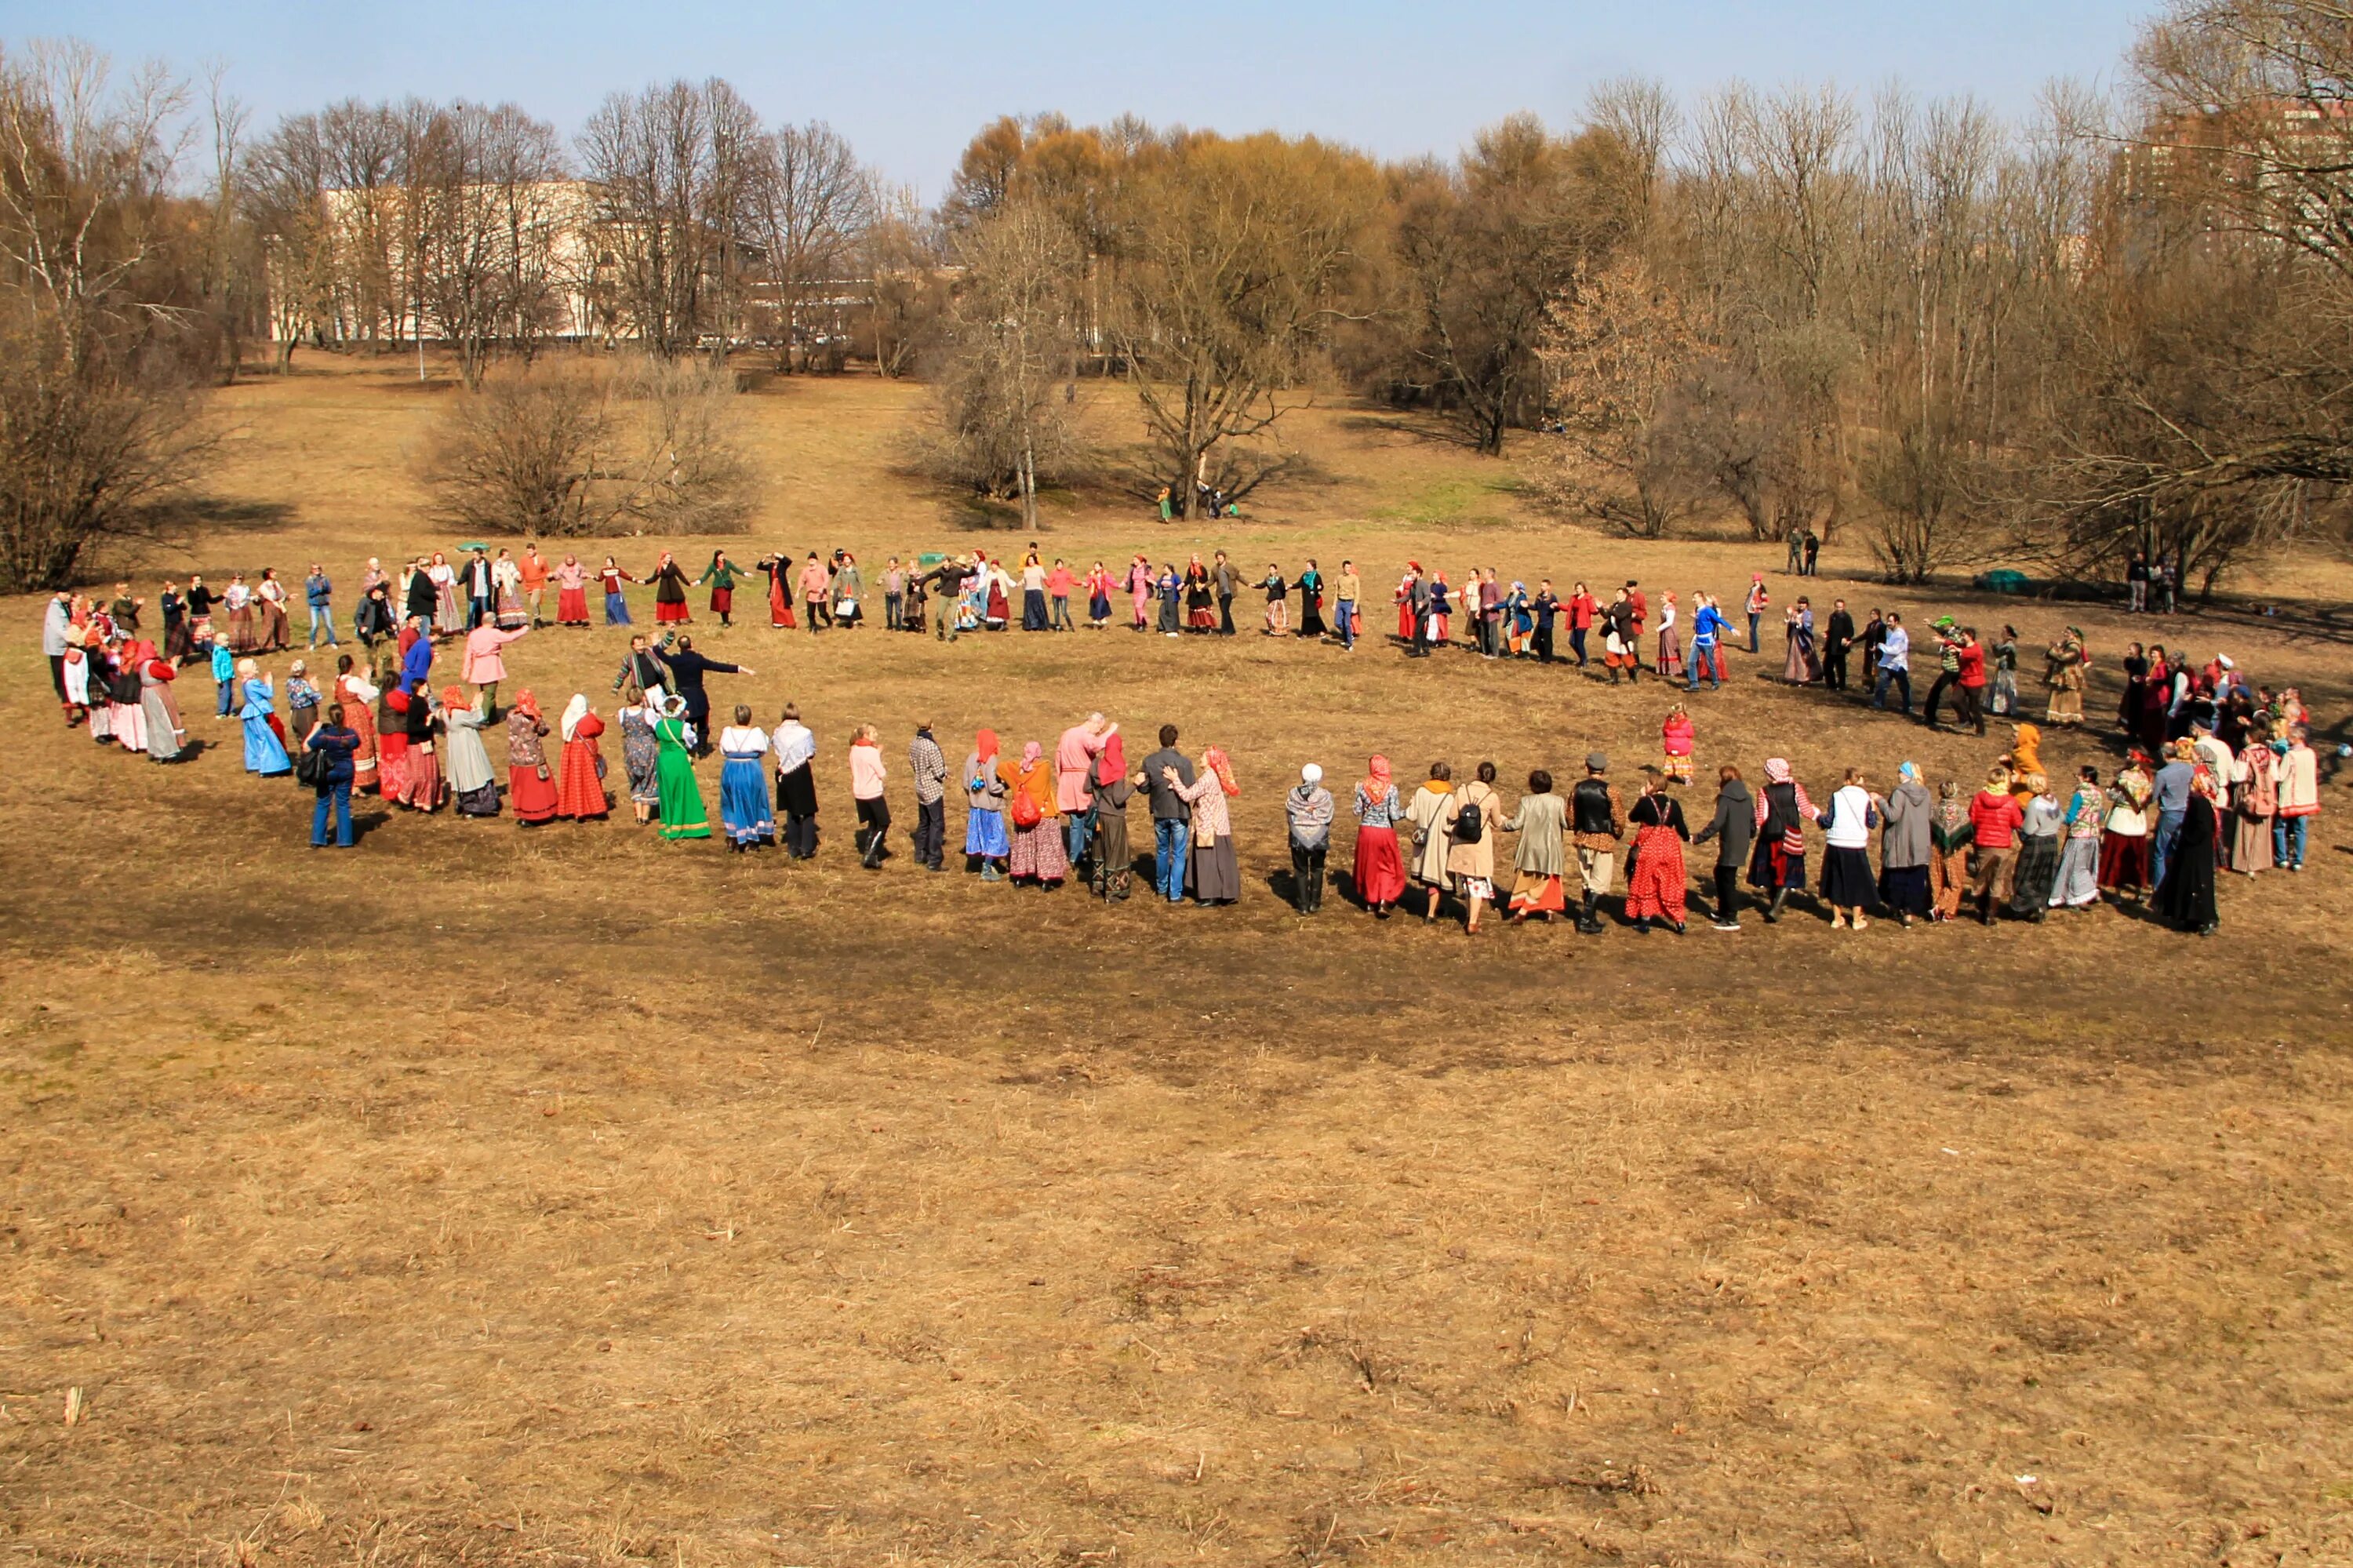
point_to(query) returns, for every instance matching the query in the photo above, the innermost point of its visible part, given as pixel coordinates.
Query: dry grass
(491, 1197)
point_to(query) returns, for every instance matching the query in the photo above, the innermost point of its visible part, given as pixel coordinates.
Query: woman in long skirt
(744, 811)
(473, 786)
(264, 753)
(1139, 592)
(1907, 847)
(1215, 874)
(640, 756)
(793, 753)
(392, 743)
(1654, 884)
(1172, 590)
(1800, 667)
(2186, 896)
(987, 785)
(358, 696)
(683, 815)
(617, 598)
(1099, 597)
(2078, 882)
(2038, 851)
(1949, 834)
(530, 782)
(165, 733)
(1540, 859)
(1671, 638)
(1380, 865)
(1846, 852)
(421, 781)
(1778, 864)
(1113, 786)
(1037, 854)
(580, 773)
(2124, 840)
(2254, 801)
(238, 599)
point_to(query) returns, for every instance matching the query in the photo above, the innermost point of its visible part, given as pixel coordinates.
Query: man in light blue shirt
(1895, 664)
(2172, 800)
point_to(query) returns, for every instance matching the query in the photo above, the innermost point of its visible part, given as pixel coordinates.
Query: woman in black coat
(2186, 896)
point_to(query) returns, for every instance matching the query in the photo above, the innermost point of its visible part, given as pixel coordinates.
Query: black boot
(1587, 923)
(1773, 910)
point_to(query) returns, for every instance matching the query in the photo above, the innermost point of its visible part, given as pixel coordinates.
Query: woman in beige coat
(1542, 823)
(1471, 859)
(1431, 812)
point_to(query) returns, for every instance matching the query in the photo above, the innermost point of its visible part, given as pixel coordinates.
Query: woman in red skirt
(1380, 868)
(579, 777)
(670, 593)
(1654, 887)
(572, 593)
(531, 783)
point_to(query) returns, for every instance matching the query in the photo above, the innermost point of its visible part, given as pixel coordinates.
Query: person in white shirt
(796, 787)
(1846, 862)
(744, 810)
(1895, 664)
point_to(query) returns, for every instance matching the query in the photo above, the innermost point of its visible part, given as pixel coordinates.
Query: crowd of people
(2220, 775)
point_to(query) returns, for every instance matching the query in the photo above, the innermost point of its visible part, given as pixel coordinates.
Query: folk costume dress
(1654, 884)
(359, 697)
(1782, 811)
(571, 592)
(1380, 871)
(165, 733)
(473, 785)
(580, 774)
(744, 811)
(1214, 872)
(531, 783)
(988, 784)
(264, 753)
(640, 756)
(392, 743)
(669, 600)
(682, 815)
(1038, 853)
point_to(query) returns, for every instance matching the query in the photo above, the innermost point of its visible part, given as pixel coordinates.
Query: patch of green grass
(1453, 502)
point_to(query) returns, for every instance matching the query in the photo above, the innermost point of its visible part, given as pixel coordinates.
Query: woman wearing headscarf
(1654, 872)
(744, 813)
(1200, 610)
(1379, 868)
(1113, 860)
(237, 603)
(2064, 673)
(358, 696)
(580, 773)
(1431, 812)
(392, 743)
(165, 733)
(1671, 638)
(2186, 896)
(609, 579)
(1908, 816)
(641, 753)
(867, 777)
(2005, 672)
(1847, 822)
(2254, 800)
(1215, 877)
(1037, 854)
(530, 782)
(1307, 810)
(1950, 832)
(795, 757)
(471, 782)
(1539, 859)
(669, 603)
(449, 615)
(1779, 861)
(2038, 851)
(2124, 837)
(1140, 584)
(2078, 884)
(264, 753)
(680, 798)
(988, 783)
(1171, 589)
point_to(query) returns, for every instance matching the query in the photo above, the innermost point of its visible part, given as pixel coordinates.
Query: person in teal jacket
(225, 674)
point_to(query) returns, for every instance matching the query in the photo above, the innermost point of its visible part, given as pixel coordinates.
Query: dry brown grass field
(486, 1196)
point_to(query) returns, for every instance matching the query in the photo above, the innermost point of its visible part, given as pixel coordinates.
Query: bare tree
(673, 169)
(1620, 351)
(580, 447)
(1011, 342)
(813, 206)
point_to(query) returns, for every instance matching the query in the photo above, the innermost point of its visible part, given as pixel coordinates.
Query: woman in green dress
(682, 815)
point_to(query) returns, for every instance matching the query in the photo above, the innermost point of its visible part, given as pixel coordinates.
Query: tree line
(2112, 326)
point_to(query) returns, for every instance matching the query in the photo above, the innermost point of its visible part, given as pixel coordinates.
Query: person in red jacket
(1971, 706)
(1994, 819)
(1582, 608)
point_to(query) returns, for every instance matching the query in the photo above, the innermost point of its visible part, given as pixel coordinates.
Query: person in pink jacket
(1074, 758)
(485, 665)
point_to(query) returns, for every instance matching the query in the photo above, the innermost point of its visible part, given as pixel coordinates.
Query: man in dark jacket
(1732, 828)
(1596, 820)
(687, 668)
(1838, 637)
(641, 668)
(1172, 818)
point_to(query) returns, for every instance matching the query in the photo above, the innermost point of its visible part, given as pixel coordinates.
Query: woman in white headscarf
(471, 781)
(580, 773)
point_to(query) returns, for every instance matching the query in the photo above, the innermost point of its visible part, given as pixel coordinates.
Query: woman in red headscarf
(531, 783)
(1379, 867)
(1113, 860)
(580, 776)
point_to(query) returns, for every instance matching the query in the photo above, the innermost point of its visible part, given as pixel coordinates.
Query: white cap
(1311, 774)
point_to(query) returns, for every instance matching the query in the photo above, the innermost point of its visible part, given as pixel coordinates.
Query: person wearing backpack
(1471, 845)
(327, 753)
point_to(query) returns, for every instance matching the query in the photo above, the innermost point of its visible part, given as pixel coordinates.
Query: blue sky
(910, 82)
